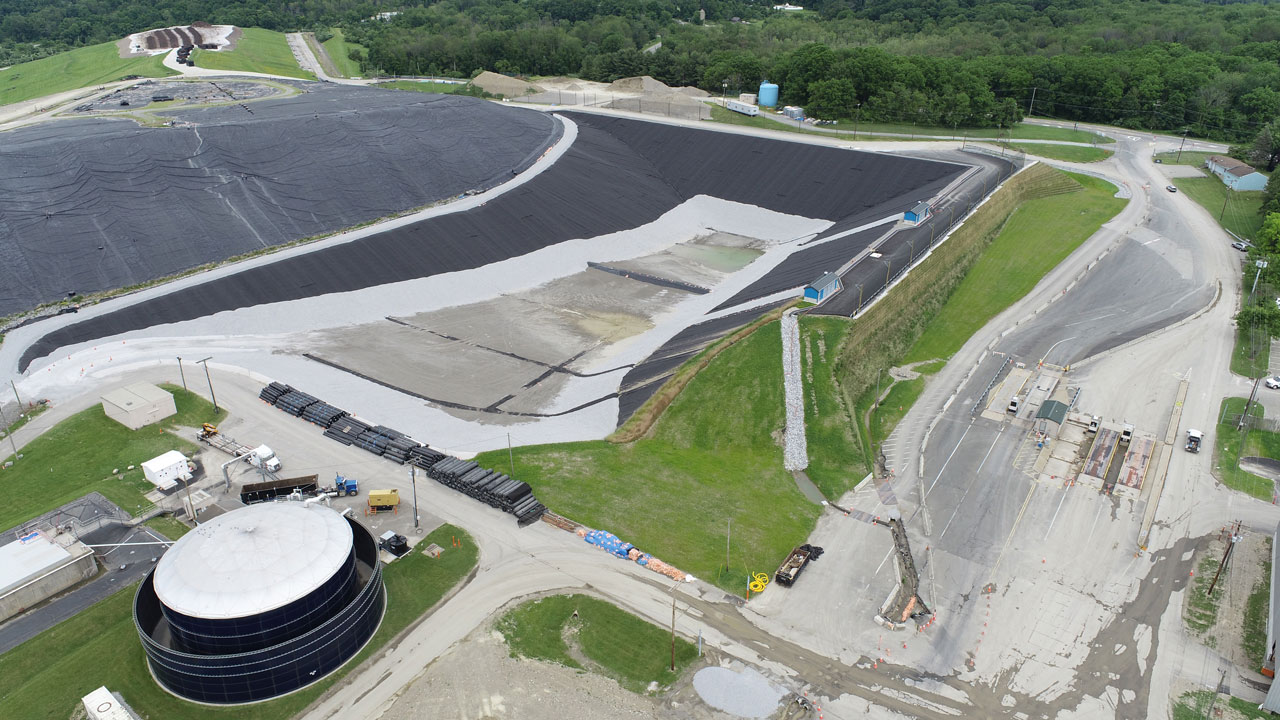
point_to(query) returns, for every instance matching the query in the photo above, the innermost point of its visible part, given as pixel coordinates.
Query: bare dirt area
(515, 353)
(159, 40)
(183, 93)
(478, 678)
(1225, 634)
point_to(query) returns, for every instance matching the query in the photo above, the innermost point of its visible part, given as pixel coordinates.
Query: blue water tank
(768, 95)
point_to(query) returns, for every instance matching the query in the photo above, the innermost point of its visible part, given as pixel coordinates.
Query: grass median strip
(586, 633)
(1231, 442)
(46, 676)
(1066, 153)
(713, 457)
(77, 456)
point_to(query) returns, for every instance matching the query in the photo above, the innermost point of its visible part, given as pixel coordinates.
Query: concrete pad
(1004, 392)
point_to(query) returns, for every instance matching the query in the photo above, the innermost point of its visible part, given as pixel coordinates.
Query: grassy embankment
(1256, 609)
(1066, 153)
(711, 457)
(994, 259)
(1186, 157)
(45, 677)
(1235, 211)
(613, 642)
(77, 456)
(258, 50)
(1227, 450)
(427, 87)
(340, 52)
(79, 68)
(168, 526)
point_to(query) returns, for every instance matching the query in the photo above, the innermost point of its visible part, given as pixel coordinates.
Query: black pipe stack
(488, 486)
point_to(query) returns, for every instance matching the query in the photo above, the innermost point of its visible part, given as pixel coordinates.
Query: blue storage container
(768, 95)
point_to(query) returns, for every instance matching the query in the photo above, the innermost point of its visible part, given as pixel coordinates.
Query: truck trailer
(260, 457)
(272, 489)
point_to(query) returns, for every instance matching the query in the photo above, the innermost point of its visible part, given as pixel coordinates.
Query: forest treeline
(1212, 69)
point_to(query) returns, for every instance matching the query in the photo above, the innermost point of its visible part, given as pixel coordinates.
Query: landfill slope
(618, 174)
(97, 204)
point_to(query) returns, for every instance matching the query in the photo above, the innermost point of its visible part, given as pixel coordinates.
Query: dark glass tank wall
(315, 649)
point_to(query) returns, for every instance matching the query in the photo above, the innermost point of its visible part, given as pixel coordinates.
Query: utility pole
(1231, 543)
(182, 374)
(511, 456)
(1224, 205)
(14, 445)
(1180, 145)
(673, 629)
(413, 481)
(205, 363)
(15, 394)
(1031, 105)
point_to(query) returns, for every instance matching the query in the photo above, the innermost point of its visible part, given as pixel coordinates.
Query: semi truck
(263, 491)
(259, 457)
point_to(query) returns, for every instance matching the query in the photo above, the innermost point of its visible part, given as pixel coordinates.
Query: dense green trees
(1212, 69)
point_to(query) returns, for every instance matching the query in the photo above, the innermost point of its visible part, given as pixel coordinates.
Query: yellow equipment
(383, 501)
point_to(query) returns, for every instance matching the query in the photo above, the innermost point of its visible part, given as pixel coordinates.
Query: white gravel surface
(744, 692)
(795, 451)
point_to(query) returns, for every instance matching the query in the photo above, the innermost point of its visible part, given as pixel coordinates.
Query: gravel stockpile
(510, 87)
(795, 450)
(91, 205)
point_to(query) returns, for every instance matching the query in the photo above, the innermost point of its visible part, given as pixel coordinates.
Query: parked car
(1242, 247)
(1273, 382)
(1171, 188)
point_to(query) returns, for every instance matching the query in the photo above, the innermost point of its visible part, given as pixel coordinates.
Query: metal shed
(822, 288)
(918, 214)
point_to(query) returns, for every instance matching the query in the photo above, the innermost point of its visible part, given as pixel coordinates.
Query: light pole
(205, 363)
(857, 119)
(724, 93)
(12, 444)
(182, 374)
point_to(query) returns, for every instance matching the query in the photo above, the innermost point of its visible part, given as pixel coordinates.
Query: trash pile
(614, 545)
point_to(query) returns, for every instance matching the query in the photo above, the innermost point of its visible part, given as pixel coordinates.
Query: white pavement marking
(948, 460)
(1055, 515)
(1009, 538)
(1093, 319)
(973, 481)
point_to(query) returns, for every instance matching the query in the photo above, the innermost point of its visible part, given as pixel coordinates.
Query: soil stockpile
(510, 87)
(619, 174)
(91, 205)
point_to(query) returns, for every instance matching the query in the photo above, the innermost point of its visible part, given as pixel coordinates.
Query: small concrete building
(102, 704)
(822, 288)
(138, 404)
(36, 567)
(1235, 174)
(918, 214)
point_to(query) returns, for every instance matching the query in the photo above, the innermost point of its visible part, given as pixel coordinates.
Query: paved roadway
(1078, 620)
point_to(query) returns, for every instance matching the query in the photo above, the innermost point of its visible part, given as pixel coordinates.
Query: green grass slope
(1066, 153)
(339, 51)
(1238, 212)
(1016, 260)
(713, 456)
(82, 67)
(258, 50)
